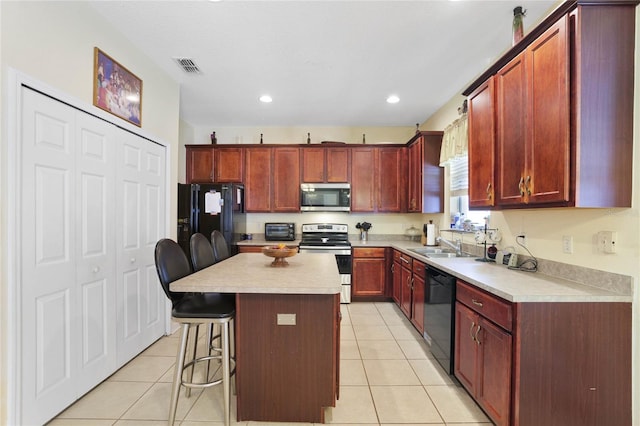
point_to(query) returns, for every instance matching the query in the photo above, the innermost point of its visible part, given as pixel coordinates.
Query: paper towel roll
(431, 234)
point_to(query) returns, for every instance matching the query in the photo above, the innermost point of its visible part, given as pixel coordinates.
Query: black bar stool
(202, 256)
(191, 310)
(220, 247)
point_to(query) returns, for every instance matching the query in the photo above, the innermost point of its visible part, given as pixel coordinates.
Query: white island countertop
(253, 273)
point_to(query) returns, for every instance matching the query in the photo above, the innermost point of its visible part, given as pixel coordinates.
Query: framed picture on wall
(116, 89)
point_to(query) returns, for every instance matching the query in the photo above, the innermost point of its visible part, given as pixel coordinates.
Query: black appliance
(439, 316)
(325, 197)
(279, 231)
(204, 208)
(330, 238)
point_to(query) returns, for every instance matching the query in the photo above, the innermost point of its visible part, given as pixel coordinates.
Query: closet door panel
(153, 307)
(95, 274)
(49, 344)
(141, 224)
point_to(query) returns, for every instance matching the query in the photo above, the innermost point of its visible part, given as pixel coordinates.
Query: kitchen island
(287, 333)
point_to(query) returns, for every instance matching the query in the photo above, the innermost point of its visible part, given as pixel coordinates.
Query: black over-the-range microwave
(279, 231)
(325, 197)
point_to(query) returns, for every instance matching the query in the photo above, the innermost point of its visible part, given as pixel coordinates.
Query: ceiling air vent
(188, 65)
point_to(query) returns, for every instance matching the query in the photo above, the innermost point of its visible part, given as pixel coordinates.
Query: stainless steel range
(330, 238)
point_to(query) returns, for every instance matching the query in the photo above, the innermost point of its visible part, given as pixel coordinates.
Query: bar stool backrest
(220, 248)
(202, 254)
(171, 265)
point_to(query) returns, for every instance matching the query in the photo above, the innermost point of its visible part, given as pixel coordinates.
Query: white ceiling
(325, 63)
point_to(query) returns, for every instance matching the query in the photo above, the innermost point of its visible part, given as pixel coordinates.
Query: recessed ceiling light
(393, 99)
(266, 99)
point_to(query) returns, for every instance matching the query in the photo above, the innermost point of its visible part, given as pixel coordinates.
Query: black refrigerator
(204, 208)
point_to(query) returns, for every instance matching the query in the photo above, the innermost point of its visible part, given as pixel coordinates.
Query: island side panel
(286, 373)
(572, 364)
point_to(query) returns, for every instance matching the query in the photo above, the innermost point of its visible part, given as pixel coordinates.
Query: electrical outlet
(522, 239)
(567, 244)
(607, 241)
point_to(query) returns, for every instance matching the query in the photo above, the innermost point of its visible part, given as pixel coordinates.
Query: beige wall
(52, 42)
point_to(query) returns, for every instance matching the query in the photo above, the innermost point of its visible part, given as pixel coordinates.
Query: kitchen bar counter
(252, 273)
(287, 333)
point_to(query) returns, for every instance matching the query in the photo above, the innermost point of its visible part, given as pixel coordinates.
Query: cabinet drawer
(368, 252)
(404, 259)
(489, 306)
(418, 268)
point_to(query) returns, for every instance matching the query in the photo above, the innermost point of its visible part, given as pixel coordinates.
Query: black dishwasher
(439, 301)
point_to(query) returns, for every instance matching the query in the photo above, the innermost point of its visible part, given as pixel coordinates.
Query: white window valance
(454, 140)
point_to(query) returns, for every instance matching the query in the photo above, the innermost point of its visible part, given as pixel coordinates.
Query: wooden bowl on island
(279, 252)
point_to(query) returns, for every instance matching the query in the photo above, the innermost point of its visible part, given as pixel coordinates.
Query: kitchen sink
(437, 252)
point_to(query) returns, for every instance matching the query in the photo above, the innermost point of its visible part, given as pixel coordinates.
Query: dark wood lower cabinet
(572, 364)
(544, 363)
(483, 363)
(287, 373)
(369, 273)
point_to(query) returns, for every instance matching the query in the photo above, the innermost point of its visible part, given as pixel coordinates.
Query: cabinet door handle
(489, 190)
(475, 337)
(521, 186)
(527, 185)
(404, 260)
(393, 268)
(412, 282)
(476, 302)
(473, 324)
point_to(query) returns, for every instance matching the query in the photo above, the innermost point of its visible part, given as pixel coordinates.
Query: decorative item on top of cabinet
(369, 273)
(578, 145)
(517, 25)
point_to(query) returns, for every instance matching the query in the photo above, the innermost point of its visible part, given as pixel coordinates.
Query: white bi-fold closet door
(92, 201)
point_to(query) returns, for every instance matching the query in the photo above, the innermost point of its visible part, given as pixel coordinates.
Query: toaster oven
(279, 231)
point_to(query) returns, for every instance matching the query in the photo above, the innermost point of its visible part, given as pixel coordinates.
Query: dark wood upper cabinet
(338, 165)
(325, 164)
(199, 167)
(533, 140)
(391, 170)
(378, 179)
(482, 146)
(286, 179)
(363, 196)
(563, 110)
(258, 180)
(425, 178)
(379, 174)
(228, 164)
(511, 113)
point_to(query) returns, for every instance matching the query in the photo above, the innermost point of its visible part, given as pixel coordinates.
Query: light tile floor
(387, 376)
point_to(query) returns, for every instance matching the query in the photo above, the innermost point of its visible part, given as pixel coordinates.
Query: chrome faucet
(456, 245)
